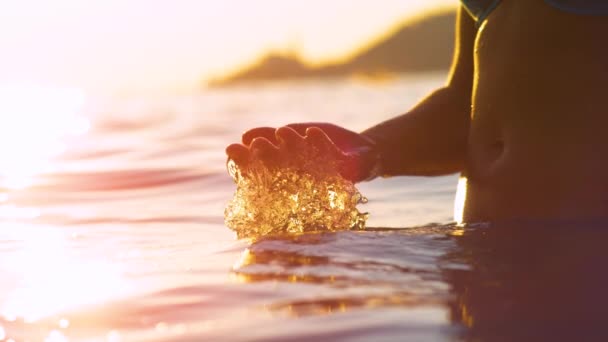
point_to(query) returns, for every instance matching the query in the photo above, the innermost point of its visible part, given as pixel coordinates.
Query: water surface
(118, 235)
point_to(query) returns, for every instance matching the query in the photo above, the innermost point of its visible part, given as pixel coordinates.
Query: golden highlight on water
(312, 197)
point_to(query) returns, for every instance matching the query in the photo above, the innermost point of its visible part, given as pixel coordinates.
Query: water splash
(307, 195)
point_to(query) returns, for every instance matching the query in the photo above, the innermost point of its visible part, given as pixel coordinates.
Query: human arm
(431, 139)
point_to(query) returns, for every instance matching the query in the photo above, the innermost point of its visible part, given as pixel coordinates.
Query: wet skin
(537, 145)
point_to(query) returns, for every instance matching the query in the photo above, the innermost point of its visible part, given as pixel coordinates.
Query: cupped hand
(275, 147)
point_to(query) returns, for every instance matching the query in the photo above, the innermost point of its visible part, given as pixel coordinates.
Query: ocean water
(118, 235)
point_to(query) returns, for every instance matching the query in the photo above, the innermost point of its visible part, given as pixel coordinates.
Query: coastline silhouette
(421, 44)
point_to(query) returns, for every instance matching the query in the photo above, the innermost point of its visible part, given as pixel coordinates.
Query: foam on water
(307, 195)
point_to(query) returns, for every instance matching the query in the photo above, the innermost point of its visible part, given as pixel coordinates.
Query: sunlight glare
(34, 121)
(459, 201)
(51, 280)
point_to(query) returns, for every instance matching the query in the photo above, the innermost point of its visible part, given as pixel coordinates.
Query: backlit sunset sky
(142, 45)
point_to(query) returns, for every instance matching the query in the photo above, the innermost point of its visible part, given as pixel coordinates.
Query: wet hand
(278, 147)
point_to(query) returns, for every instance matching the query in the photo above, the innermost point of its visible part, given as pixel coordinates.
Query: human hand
(354, 153)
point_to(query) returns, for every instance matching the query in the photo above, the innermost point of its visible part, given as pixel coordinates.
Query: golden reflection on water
(248, 258)
(245, 259)
(344, 292)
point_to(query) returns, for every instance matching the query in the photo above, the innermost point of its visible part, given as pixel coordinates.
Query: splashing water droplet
(306, 195)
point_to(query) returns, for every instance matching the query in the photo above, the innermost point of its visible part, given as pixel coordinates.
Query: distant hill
(424, 44)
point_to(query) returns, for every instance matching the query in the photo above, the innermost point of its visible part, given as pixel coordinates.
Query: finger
(300, 128)
(290, 139)
(341, 137)
(259, 132)
(263, 150)
(328, 128)
(317, 138)
(238, 153)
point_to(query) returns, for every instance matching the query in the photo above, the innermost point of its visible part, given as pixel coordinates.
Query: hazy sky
(139, 45)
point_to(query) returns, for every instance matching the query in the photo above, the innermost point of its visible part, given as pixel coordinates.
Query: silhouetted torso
(537, 144)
